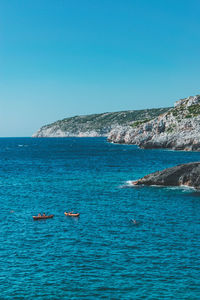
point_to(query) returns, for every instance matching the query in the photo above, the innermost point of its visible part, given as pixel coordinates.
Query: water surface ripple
(102, 254)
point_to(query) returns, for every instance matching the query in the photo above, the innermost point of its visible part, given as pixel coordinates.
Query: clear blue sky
(60, 58)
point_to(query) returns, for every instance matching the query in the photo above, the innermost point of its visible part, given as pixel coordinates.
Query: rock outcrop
(177, 129)
(96, 124)
(185, 174)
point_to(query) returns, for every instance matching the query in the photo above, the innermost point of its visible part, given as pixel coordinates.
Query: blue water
(101, 255)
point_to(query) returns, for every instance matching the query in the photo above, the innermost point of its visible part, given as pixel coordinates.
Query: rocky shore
(177, 129)
(185, 174)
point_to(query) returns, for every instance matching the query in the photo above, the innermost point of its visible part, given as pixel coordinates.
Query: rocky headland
(96, 124)
(178, 128)
(185, 174)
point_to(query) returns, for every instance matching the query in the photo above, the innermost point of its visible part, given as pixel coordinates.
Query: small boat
(71, 214)
(42, 217)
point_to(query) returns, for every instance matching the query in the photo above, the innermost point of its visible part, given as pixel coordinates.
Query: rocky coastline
(184, 174)
(177, 129)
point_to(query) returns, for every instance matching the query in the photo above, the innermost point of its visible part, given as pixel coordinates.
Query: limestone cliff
(177, 129)
(96, 124)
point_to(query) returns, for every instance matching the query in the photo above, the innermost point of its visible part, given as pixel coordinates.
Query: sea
(102, 254)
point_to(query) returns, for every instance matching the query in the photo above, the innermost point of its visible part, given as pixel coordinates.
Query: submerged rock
(185, 174)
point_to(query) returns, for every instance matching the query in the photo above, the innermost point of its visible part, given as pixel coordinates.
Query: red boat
(42, 217)
(70, 214)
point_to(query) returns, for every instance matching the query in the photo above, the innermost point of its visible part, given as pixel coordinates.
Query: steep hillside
(178, 129)
(96, 124)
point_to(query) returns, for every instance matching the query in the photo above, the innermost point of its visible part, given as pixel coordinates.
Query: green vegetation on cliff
(182, 111)
(99, 123)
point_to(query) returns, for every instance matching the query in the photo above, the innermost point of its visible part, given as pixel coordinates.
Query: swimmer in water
(134, 221)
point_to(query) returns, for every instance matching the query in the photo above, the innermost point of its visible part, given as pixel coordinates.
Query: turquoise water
(102, 254)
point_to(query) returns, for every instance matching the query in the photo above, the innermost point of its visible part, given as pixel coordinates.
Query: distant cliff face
(177, 129)
(96, 124)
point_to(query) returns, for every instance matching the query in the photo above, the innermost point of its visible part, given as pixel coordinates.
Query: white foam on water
(184, 188)
(128, 183)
